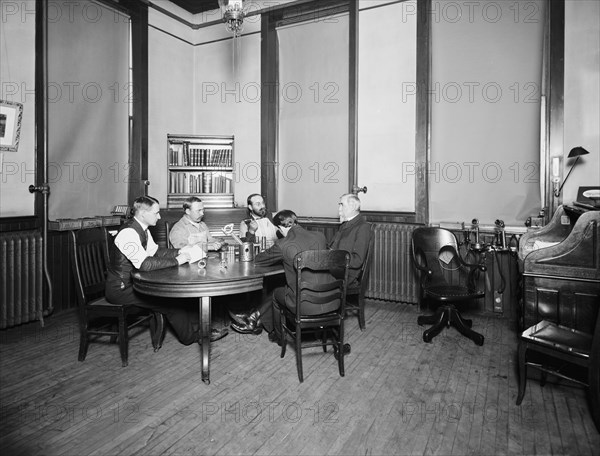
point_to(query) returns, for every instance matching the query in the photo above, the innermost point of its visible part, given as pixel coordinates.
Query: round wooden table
(190, 281)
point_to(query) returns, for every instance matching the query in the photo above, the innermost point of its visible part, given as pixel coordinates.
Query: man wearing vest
(134, 249)
(259, 224)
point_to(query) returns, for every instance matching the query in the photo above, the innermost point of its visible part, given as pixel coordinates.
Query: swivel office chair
(446, 279)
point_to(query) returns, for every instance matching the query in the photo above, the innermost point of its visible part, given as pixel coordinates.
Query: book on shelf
(200, 182)
(186, 154)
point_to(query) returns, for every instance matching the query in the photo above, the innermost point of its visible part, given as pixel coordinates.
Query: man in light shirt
(189, 231)
(134, 249)
(259, 224)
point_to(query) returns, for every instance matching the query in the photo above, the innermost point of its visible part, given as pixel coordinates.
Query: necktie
(144, 239)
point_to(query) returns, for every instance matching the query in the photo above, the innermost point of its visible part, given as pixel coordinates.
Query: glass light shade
(233, 15)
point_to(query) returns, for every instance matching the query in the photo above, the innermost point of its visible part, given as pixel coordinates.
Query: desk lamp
(575, 152)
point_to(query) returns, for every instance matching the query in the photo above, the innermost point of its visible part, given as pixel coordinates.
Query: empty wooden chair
(556, 349)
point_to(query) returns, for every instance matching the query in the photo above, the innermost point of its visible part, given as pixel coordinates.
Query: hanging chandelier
(233, 15)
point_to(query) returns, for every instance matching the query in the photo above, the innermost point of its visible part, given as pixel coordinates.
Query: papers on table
(196, 252)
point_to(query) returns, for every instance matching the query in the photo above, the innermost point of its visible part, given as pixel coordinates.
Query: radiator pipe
(44, 188)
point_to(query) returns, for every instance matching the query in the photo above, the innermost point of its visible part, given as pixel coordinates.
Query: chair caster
(478, 339)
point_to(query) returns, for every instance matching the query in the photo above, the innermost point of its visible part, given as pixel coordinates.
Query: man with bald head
(353, 235)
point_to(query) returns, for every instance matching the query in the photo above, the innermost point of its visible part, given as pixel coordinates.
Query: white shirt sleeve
(243, 229)
(267, 229)
(129, 243)
(151, 246)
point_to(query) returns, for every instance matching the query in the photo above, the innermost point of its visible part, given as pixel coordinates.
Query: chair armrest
(428, 272)
(424, 269)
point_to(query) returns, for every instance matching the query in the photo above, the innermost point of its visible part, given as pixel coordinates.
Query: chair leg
(283, 334)
(594, 392)
(340, 337)
(324, 340)
(84, 343)
(157, 330)
(463, 327)
(123, 339)
(361, 314)
(299, 353)
(522, 371)
(441, 321)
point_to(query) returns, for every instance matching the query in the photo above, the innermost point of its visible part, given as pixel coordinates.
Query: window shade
(313, 115)
(88, 96)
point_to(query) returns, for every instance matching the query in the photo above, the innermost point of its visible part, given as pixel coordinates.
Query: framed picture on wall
(11, 114)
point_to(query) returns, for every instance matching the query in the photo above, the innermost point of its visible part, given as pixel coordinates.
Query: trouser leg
(270, 321)
(266, 312)
(182, 316)
(277, 301)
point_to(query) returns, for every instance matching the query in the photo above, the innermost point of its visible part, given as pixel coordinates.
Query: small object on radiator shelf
(91, 222)
(110, 220)
(64, 224)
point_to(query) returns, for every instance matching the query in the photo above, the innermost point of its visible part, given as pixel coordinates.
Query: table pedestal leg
(204, 339)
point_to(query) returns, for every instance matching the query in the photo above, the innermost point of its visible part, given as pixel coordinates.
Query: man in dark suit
(296, 239)
(353, 235)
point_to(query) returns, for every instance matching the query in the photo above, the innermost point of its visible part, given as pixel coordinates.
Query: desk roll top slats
(561, 280)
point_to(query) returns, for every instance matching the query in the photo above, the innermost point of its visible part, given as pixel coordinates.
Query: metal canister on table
(247, 251)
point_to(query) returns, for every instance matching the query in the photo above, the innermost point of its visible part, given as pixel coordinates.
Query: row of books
(200, 182)
(187, 154)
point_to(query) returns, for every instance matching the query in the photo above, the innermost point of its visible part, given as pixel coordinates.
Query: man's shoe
(240, 319)
(246, 329)
(251, 326)
(345, 350)
(216, 334)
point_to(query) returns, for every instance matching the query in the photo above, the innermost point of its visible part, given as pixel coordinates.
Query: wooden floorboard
(399, 395)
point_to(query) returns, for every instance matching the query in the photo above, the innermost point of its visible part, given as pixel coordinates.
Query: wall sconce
(233, 15)
(575, 152)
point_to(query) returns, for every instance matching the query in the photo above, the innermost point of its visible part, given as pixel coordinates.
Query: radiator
(21, 278)
(392, 272)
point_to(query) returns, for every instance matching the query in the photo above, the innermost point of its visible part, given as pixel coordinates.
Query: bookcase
(200, 166)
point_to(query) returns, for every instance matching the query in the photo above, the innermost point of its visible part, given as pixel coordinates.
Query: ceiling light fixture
(233, 15)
